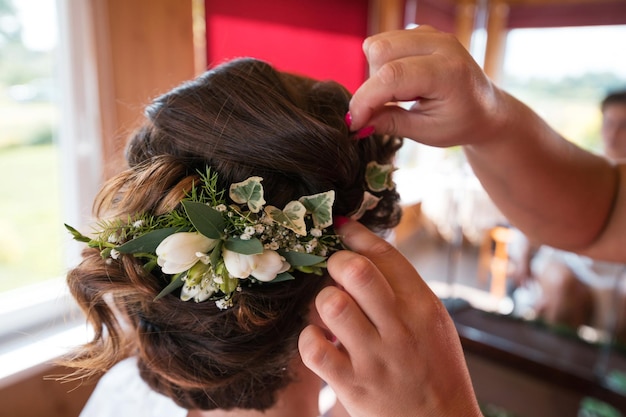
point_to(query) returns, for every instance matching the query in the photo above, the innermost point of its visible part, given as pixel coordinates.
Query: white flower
(221, 208)
(223, 304)
(115, 254)
(250, 230)
(272, 245)
(203, 257)
(199, 291)
(178, 252)
(311, 246)
(259, 228)
(245, 236)
(138, 224)
(264, 266)
(315, 232)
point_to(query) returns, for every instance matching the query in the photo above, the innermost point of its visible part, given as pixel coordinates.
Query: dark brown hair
(613, 98)
(242, 119)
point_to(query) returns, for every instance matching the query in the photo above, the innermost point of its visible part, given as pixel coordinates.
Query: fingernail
(348, 119)
(365, 132)
(339, 221)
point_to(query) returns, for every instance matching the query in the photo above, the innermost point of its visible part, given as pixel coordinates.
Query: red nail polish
(348, 119)
(365, 132)
(339, 221)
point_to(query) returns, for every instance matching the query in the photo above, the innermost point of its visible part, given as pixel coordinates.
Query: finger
(392, 45)
(416, 124)
(366, 306)
(391, 264)
(345, 319)
(399, 80)
(323, 357)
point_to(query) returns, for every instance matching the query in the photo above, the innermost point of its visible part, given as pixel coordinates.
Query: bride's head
(231, 345)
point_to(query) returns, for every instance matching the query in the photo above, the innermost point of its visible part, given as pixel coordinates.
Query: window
(30, 200)
(48, 90)
(564, 73)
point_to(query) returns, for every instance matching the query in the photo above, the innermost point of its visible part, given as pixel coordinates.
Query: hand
(457, 103)
(398, 353)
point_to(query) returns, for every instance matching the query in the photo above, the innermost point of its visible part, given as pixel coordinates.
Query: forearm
(553, 191)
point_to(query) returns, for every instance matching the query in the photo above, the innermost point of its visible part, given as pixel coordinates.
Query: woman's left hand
(398, 353)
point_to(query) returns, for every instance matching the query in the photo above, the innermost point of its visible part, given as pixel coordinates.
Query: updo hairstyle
(242, 119)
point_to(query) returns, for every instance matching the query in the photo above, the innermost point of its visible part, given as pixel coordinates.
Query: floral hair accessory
(378, 178)
(209, 247)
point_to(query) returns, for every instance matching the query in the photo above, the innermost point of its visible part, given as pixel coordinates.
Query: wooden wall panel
(144, 48)
(32, 394)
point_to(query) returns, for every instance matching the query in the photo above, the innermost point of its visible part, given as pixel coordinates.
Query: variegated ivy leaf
(369, 202)
(321, 208)
(378, 177)
(291, 217)
(248, 192)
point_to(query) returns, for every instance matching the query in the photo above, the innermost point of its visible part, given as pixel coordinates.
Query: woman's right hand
(457, 102)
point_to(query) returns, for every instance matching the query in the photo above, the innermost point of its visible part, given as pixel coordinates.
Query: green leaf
(283, 276)
(150, 265)
(300, 258)
(76, 235)
(245, 247)
(205, 219)
(317, 270)
(177, 282)
(248, 192)
(321, 208)
(106, 253)
(378, 177)
(147, 242)
(291, 217)
(216, 254)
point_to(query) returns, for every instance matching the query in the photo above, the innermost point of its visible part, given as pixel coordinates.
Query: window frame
(32, 315)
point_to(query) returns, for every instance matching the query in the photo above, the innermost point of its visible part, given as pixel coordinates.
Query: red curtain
(318, 38)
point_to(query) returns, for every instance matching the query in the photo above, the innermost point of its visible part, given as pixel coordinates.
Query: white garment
(596, 274)
(121, 392)
(602, 278)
